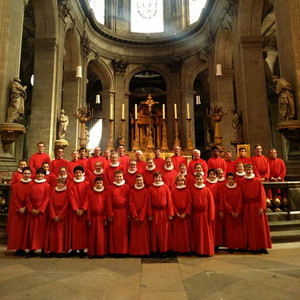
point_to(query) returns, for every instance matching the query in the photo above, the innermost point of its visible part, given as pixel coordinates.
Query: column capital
(44, 43)
(252, 41)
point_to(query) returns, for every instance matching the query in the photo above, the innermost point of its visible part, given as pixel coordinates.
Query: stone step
(283, 216)
(284, 225)
(3, 238)
(285, 236)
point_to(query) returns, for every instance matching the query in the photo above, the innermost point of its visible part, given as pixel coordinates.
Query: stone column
(43, 122)
(122, 16)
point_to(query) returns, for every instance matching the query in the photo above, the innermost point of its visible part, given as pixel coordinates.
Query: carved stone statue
(17, 98)
(237, 126)
(286, 103)
(63, 122)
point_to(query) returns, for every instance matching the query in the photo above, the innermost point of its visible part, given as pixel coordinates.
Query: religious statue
(237, 126)
(286, 104)
(63, 122)
(17, 98)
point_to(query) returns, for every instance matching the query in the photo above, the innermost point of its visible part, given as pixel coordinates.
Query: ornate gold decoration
(83, 115)
(10, 133)
(190, 144)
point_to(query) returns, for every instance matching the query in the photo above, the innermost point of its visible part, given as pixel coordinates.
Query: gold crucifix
(149, 102)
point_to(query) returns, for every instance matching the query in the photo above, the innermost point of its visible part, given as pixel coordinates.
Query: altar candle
(111, 111)
(175, 110)
(188, 110)
(79, 72)
(135, 111)
(164, 112)
(123, 112)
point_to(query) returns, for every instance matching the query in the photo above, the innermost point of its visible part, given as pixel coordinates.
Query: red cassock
(160, 208)
(169, 177)
(83, 162)
(56, 164)
(106, 163)
(191, 179)
(16, 223)
(218, 224)
(77, 197)
(130, 178)
(110, 173)
(141, 166)
(53, 183)
(37, 198)
(92, 176)
(202, 217)
(261, 166)
(216, 163)
(182, 230)
(177, 160)
(159, 163)
(97, 213)
(58, 232)
(239, 179)
(124, 161)
(256, 228)
(51, 179)
(233, 202)
(118, 208)
(277, 168)
(17, 176)
(72, 164)
(201, 161)
(139, 231)
(37, 159)
(92, 160)
(148, 177)
(243, 160)
(230, 166)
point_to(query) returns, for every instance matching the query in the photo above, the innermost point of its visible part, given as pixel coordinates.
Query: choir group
(113, 205)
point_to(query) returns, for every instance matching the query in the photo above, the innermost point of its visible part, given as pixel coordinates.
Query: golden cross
(150, 102)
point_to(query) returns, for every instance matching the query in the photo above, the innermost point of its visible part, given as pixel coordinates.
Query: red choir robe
(177, 160)
(130, 178)
(159, 163)
(202, 218)
(110, 173)
(83, 162)
(36, 160)
(277, 168)
(201, 161)
(230, 166)
(244, 160)
(239, 178)
(221, 183)
(56, 164)
(261, 166)
(118, 208)
(51, 179)
(233, 202)
(77, 197)
(106, 163)
(92, 176)
(216, 163)
(187, 179)
(169, 177)
(141, 166)
(160, 208)
(124, 161)
(72, 164)
(17, 176)
(97, 213)
(148, 177)
(37, 198)
(218, 224)
(139, 231)
(53, 183)
(191, 179)
(92, 160)
(58, 232)
(16, 223)
(255, 228)
(182, 230)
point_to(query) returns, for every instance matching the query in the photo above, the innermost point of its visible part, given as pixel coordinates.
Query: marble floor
(224, 276)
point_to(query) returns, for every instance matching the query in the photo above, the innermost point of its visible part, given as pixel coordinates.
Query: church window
(195, 9)
(98, 7)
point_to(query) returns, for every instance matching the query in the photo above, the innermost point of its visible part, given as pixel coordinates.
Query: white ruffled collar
(215, 181)
(180, 187)
(64, 177)
(19, 170)
(168, 169)
(25, 181)
(152, 169)
(250, 177)
(40, 181)
(79, 180)
(231, 186)
(139, 187)
(119, 184)
(202, 173)
(185, 173)
(158, 184)
(99, 190)
(132, 172)
(98, 173)
(199, 186)
(60, 190)
(240, 174)
(115, 165)
(47, 173)
(221, 180)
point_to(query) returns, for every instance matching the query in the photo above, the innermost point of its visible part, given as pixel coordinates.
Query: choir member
(160, 214)
(50, 178)
(17, 214)
(197, 160)
(221, 179)
(78, 190)
(82, 158)
(159, 162)
(183, 172)
(202, 217)
(74, 162)
(97, 219)
(131, 173)
(230, 164)
(107, 158)
(148, 173)
(178, 159)
(96, 157)
(38, 158)
(197, 170)
(260, 164)
(140, 164)
(169, 173)
(112, 168)
(216, 162)
(18, 175)
(277, 167)
(64, 174)
(139, 229)
(182, 216)
(239, 174)
(242, 157)
(255, 223)
(58, 162)
(118, 215)
(98, 172)
(123, 159)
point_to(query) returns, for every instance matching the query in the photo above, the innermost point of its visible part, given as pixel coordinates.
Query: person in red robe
(243, 157)
(183, 172)
(107, 154)
(63, 174)
(78, 190)
(82, 158)
(233, 205)
(178, 159)
(218, 221)
(160, 214)
(182, 229)
(230, 164)
(58, 227)
(139, 229)
(118, 215)
(97, 219)
(197, 170)
(239, 174)
(140, 164)
(36, 160)
(37, 200)
(17, 214)
(255, 223)
(221, 179)
(197, 160)
(216, 162)
(50, 178)
(148, 173)
(18, 175)
(158, 161)
(123, 159)
(112, 168)
(260, 164)
(93, 159)
(169, 173)
(130, 174)
(203, 214)
(58, 162)
(74, 163)
(98, 172)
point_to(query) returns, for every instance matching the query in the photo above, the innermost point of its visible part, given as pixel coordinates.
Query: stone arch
(71, 51)
(224, 48)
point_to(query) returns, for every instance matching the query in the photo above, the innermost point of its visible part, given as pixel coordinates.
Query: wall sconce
(198, 100)
(79, 72)
(98, 99)
(218, 70)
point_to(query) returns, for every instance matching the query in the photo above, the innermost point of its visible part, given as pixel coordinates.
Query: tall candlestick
(111, 112)
(188, 110)
(123, 112)
(135, 111)
(175, 110)
(79, 72)
(164, 112)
